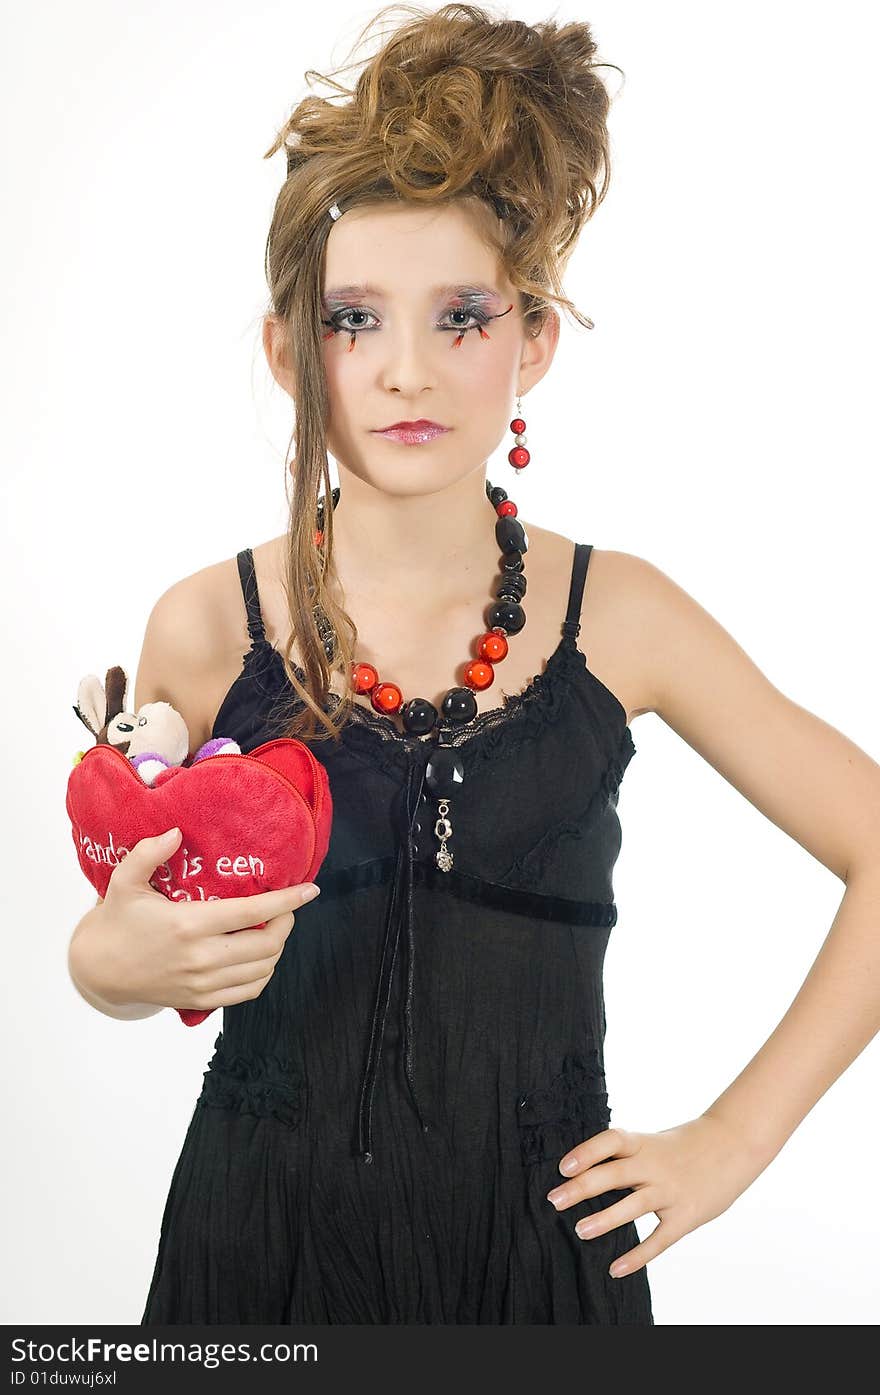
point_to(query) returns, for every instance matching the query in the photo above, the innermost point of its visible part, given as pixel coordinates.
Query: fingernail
(568, 1167)
(311, 891)
(618, 1267)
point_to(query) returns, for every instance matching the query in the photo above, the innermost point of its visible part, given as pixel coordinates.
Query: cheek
(482, 371)
(346, 377)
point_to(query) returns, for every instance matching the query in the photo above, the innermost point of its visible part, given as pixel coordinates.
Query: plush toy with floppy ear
(249, 823)
(152, 738)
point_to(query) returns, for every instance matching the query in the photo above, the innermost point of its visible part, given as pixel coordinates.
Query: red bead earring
(519, 456)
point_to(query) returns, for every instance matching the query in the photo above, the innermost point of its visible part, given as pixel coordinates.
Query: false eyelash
(481, 321)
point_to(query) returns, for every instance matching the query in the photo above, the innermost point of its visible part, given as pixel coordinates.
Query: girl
(406, 1116)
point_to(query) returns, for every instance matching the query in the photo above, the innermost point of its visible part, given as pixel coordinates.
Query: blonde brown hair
(455, 105)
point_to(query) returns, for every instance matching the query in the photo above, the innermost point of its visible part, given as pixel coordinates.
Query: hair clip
(335, 211)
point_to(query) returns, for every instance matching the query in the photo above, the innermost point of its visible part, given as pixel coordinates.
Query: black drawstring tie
(400, 910)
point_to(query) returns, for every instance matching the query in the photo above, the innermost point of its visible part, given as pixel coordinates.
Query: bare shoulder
(642, 633)
(194, 642)
(614, 618)
(642, 629)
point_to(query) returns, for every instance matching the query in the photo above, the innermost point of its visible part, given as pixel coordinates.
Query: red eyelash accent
(483, 335)
(459, 337)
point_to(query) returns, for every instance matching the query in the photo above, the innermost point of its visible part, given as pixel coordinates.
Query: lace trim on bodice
(522, 716)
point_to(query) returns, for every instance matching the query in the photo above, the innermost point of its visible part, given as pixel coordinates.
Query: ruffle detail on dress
(522, 716)
(265, 1085)
(572, 1107)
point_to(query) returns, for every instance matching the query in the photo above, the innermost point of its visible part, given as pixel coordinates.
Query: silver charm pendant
(443, 830)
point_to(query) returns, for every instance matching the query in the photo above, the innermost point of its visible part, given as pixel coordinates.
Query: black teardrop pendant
(444, 774)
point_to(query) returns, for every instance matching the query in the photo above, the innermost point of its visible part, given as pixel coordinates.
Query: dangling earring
(518, 456)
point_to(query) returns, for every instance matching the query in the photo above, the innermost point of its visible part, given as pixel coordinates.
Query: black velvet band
(602, 914)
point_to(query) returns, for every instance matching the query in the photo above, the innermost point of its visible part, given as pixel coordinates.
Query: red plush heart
(248, 823)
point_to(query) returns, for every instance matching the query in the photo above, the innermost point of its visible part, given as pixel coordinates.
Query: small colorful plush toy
(248, 823)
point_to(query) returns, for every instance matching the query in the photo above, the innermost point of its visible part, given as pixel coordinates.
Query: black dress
(378, 1130)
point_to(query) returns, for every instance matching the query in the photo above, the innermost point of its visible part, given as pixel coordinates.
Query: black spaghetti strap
(249, 590)
(571, 625)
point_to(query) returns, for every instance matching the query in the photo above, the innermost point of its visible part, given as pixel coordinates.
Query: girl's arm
(123, 1012)
(823, 790)
(820, 788)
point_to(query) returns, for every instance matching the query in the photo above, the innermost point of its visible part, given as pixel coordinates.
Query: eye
(478, 317)
(335, 320)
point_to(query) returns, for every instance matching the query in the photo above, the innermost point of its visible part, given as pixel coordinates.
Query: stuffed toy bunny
(152, 738)
(249, 823)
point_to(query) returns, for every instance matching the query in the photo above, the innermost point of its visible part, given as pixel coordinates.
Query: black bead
(459, 705)
(509, 615)
(444, 772)
(512, 562)
(513, 584)
(511, 535)
(497, 496)
(419, 716)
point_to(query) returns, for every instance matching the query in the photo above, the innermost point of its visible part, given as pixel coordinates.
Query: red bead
(319, 537)
(386, 698)
(507, 509)
(517, 426)
(519, 457)
(493, 647)
(363, 677)
(479, 674)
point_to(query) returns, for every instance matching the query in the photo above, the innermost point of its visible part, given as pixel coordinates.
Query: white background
(716, 421)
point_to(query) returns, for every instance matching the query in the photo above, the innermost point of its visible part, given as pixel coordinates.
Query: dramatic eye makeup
(474, 301)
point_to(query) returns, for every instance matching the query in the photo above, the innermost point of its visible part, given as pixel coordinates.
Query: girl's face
(419, 323)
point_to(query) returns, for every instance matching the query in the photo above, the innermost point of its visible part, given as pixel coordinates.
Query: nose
(407, 368)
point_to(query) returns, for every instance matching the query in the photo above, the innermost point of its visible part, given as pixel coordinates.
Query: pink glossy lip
(412, 433)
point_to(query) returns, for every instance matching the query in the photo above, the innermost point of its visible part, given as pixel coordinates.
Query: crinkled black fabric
(272, 1216)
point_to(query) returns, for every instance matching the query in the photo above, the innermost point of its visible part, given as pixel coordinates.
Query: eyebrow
(361, 290)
